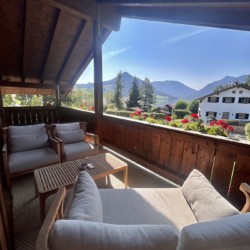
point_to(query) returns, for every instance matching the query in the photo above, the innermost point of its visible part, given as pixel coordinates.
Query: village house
(232, 103)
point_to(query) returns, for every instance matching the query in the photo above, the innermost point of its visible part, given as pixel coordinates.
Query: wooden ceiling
(49, 42)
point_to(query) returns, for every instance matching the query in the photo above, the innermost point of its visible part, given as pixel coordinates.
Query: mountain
(171, 89)
(209, 88)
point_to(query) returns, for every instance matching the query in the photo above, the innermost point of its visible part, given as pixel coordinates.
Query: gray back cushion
(78, 235)
(30, 137)
(231, 233)
(206, 203)
(63, 127)
(69, 132)
(71, 136)
(86, 203)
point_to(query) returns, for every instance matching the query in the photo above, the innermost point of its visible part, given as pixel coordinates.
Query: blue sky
(193, 55)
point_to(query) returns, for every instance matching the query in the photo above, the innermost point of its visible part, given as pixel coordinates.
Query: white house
(232, 103)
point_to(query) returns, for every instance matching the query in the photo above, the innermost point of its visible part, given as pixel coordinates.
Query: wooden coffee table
(49, 179)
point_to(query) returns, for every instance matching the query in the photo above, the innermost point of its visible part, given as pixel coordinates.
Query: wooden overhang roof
(49, 42)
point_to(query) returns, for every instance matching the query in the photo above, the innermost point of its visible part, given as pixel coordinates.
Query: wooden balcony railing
(170, 152)
(225, 162)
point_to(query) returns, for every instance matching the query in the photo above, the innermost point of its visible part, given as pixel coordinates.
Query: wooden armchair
(26, 148)
(74, 140)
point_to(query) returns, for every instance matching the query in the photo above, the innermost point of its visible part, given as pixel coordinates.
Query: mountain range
(172, 90)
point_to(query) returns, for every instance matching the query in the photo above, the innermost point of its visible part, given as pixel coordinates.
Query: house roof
(45, 43)
(244, 86)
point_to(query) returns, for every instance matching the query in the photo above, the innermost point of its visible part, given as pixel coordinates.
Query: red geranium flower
(168, 118)
(92, 108)
(185, 121)
(194, 116)
(212, 123)
(230, 128)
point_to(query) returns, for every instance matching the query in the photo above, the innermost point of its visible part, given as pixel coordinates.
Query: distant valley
(172, 90)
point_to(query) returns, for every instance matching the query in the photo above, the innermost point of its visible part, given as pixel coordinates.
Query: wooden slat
(189, 158)
(176, 154)
(223, 167)
(241, 175)
(165, 149)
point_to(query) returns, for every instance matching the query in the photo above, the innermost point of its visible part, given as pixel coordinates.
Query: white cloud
(109, 55)
(182, 37)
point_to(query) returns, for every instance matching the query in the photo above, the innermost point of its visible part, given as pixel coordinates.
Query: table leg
(42, 207)
(126, 177)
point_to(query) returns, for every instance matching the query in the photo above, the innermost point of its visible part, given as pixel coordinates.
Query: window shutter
(246, 116)
(215, 114)
(206, 113)
(224, 99)
(209, 99)
(240, 100)
(217, 99)
(237, 116)
(233, 99)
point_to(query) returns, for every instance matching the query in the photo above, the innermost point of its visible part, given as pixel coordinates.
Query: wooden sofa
(193, 216)
(28, 147)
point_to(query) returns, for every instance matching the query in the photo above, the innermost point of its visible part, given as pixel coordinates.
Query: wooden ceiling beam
(88, 59)
(74, 47)
(88, 10)
(26, 85)
(55, 33)
(210, 17)
(176, 3)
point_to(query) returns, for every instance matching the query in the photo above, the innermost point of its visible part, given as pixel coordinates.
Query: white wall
(221, 107)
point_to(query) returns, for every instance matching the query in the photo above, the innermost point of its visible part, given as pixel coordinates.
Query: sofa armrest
(93, 139)
(5, 156)
(55, 213)
(55, 144)
(80, 234)
(245, 188)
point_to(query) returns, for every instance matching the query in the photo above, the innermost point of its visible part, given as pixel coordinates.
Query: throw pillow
(86, 204)
(62, 127)
(206, 203)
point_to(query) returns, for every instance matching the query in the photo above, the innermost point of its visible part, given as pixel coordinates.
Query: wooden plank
(189, 158)
(176, 155)
(155, 146)
(204, 159)
(241, 175)
(165, 149)
(223, 167)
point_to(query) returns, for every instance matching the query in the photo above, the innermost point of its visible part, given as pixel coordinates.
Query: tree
(181, 104)
(147, 93)
(193, 106)
(134, 95)
(8, 101)
(118, 91)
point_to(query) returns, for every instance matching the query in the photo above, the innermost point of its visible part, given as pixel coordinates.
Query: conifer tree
(134, 94)
(148, 96)
(118, 91)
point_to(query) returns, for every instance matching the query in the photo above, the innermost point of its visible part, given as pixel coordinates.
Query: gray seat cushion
(231, 233)
(78, 235)
(207, 204)
(76, 150)
(30, 159)
(86, 203)
(146, 206)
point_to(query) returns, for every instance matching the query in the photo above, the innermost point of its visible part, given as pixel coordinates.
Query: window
(233, 92)
(241, 116)
(241, 91)
(211, 113)
(244, 100)
(225, 115)
(228, 99)
(213, 99)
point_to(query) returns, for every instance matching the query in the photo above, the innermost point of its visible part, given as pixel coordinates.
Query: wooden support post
(2, 120)
(98, 88)
(58, 96)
